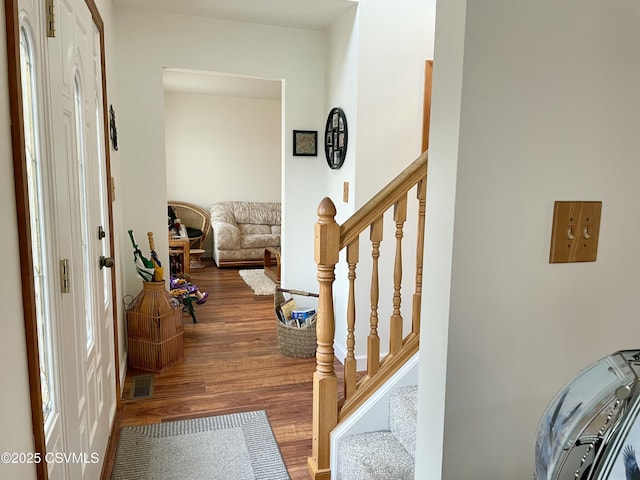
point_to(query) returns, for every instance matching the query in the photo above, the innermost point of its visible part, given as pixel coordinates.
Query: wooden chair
(197, 218)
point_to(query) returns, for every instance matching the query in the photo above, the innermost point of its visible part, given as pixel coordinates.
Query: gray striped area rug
(239, 446)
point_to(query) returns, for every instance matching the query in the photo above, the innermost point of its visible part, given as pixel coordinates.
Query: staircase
(385, 454)
(330, 410)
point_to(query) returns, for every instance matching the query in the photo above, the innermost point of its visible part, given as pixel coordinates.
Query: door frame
(23, 220)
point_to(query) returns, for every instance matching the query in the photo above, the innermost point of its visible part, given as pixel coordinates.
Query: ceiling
(306, 14)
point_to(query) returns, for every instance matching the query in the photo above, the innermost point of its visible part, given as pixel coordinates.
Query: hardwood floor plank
(232, 364)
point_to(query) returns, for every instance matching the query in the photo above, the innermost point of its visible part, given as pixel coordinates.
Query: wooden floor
(232, 364)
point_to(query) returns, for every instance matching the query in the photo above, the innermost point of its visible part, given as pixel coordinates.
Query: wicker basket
(295, 341)
(154, 330)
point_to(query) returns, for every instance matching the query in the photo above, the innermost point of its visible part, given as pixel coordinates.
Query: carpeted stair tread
(403, 416)
(367, 456)
(388, 454)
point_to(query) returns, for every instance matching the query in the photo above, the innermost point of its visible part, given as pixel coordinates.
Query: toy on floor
(181, 287)
(188, 293)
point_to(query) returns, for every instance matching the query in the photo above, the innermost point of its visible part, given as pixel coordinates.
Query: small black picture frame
(305, 143)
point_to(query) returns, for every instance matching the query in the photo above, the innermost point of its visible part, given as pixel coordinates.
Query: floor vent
(142, 386)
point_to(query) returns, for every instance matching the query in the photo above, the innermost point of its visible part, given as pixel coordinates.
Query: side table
(179, 256)
(272, 271)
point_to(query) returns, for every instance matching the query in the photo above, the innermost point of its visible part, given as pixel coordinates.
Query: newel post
(325, 395)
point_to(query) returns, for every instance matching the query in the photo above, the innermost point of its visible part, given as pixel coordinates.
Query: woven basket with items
(296, 327)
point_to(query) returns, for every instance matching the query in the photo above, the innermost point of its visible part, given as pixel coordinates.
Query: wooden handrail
(383, 200)
(330, 239)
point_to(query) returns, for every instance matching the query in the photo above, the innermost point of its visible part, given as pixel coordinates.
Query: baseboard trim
(123, 372)
(240, 263)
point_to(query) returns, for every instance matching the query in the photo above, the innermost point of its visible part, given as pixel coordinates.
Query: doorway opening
(223, 138)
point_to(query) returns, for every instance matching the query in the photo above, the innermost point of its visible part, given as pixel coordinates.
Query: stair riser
(403, 415)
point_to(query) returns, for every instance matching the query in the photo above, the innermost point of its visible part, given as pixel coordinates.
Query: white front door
(78, 133)
(80, 317)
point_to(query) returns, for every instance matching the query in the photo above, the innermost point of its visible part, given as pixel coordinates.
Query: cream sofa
(242, 230)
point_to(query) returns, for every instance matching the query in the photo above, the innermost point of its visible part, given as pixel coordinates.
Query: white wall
(147, 42)
(548, 112)
(441, 190)
(222, 148)
(342, 91)
(15, 411)
(395, 40)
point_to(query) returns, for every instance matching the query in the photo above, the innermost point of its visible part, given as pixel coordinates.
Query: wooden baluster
(353, 250)
(399, 216)
(373, 341)
(325, 395)
(417, 296)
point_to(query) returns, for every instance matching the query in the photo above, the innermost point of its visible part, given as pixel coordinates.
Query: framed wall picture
(305, 143)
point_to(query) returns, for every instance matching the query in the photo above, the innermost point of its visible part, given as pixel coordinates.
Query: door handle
(106, 262)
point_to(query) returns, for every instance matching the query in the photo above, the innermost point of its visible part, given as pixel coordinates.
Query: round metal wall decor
(335, 138)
